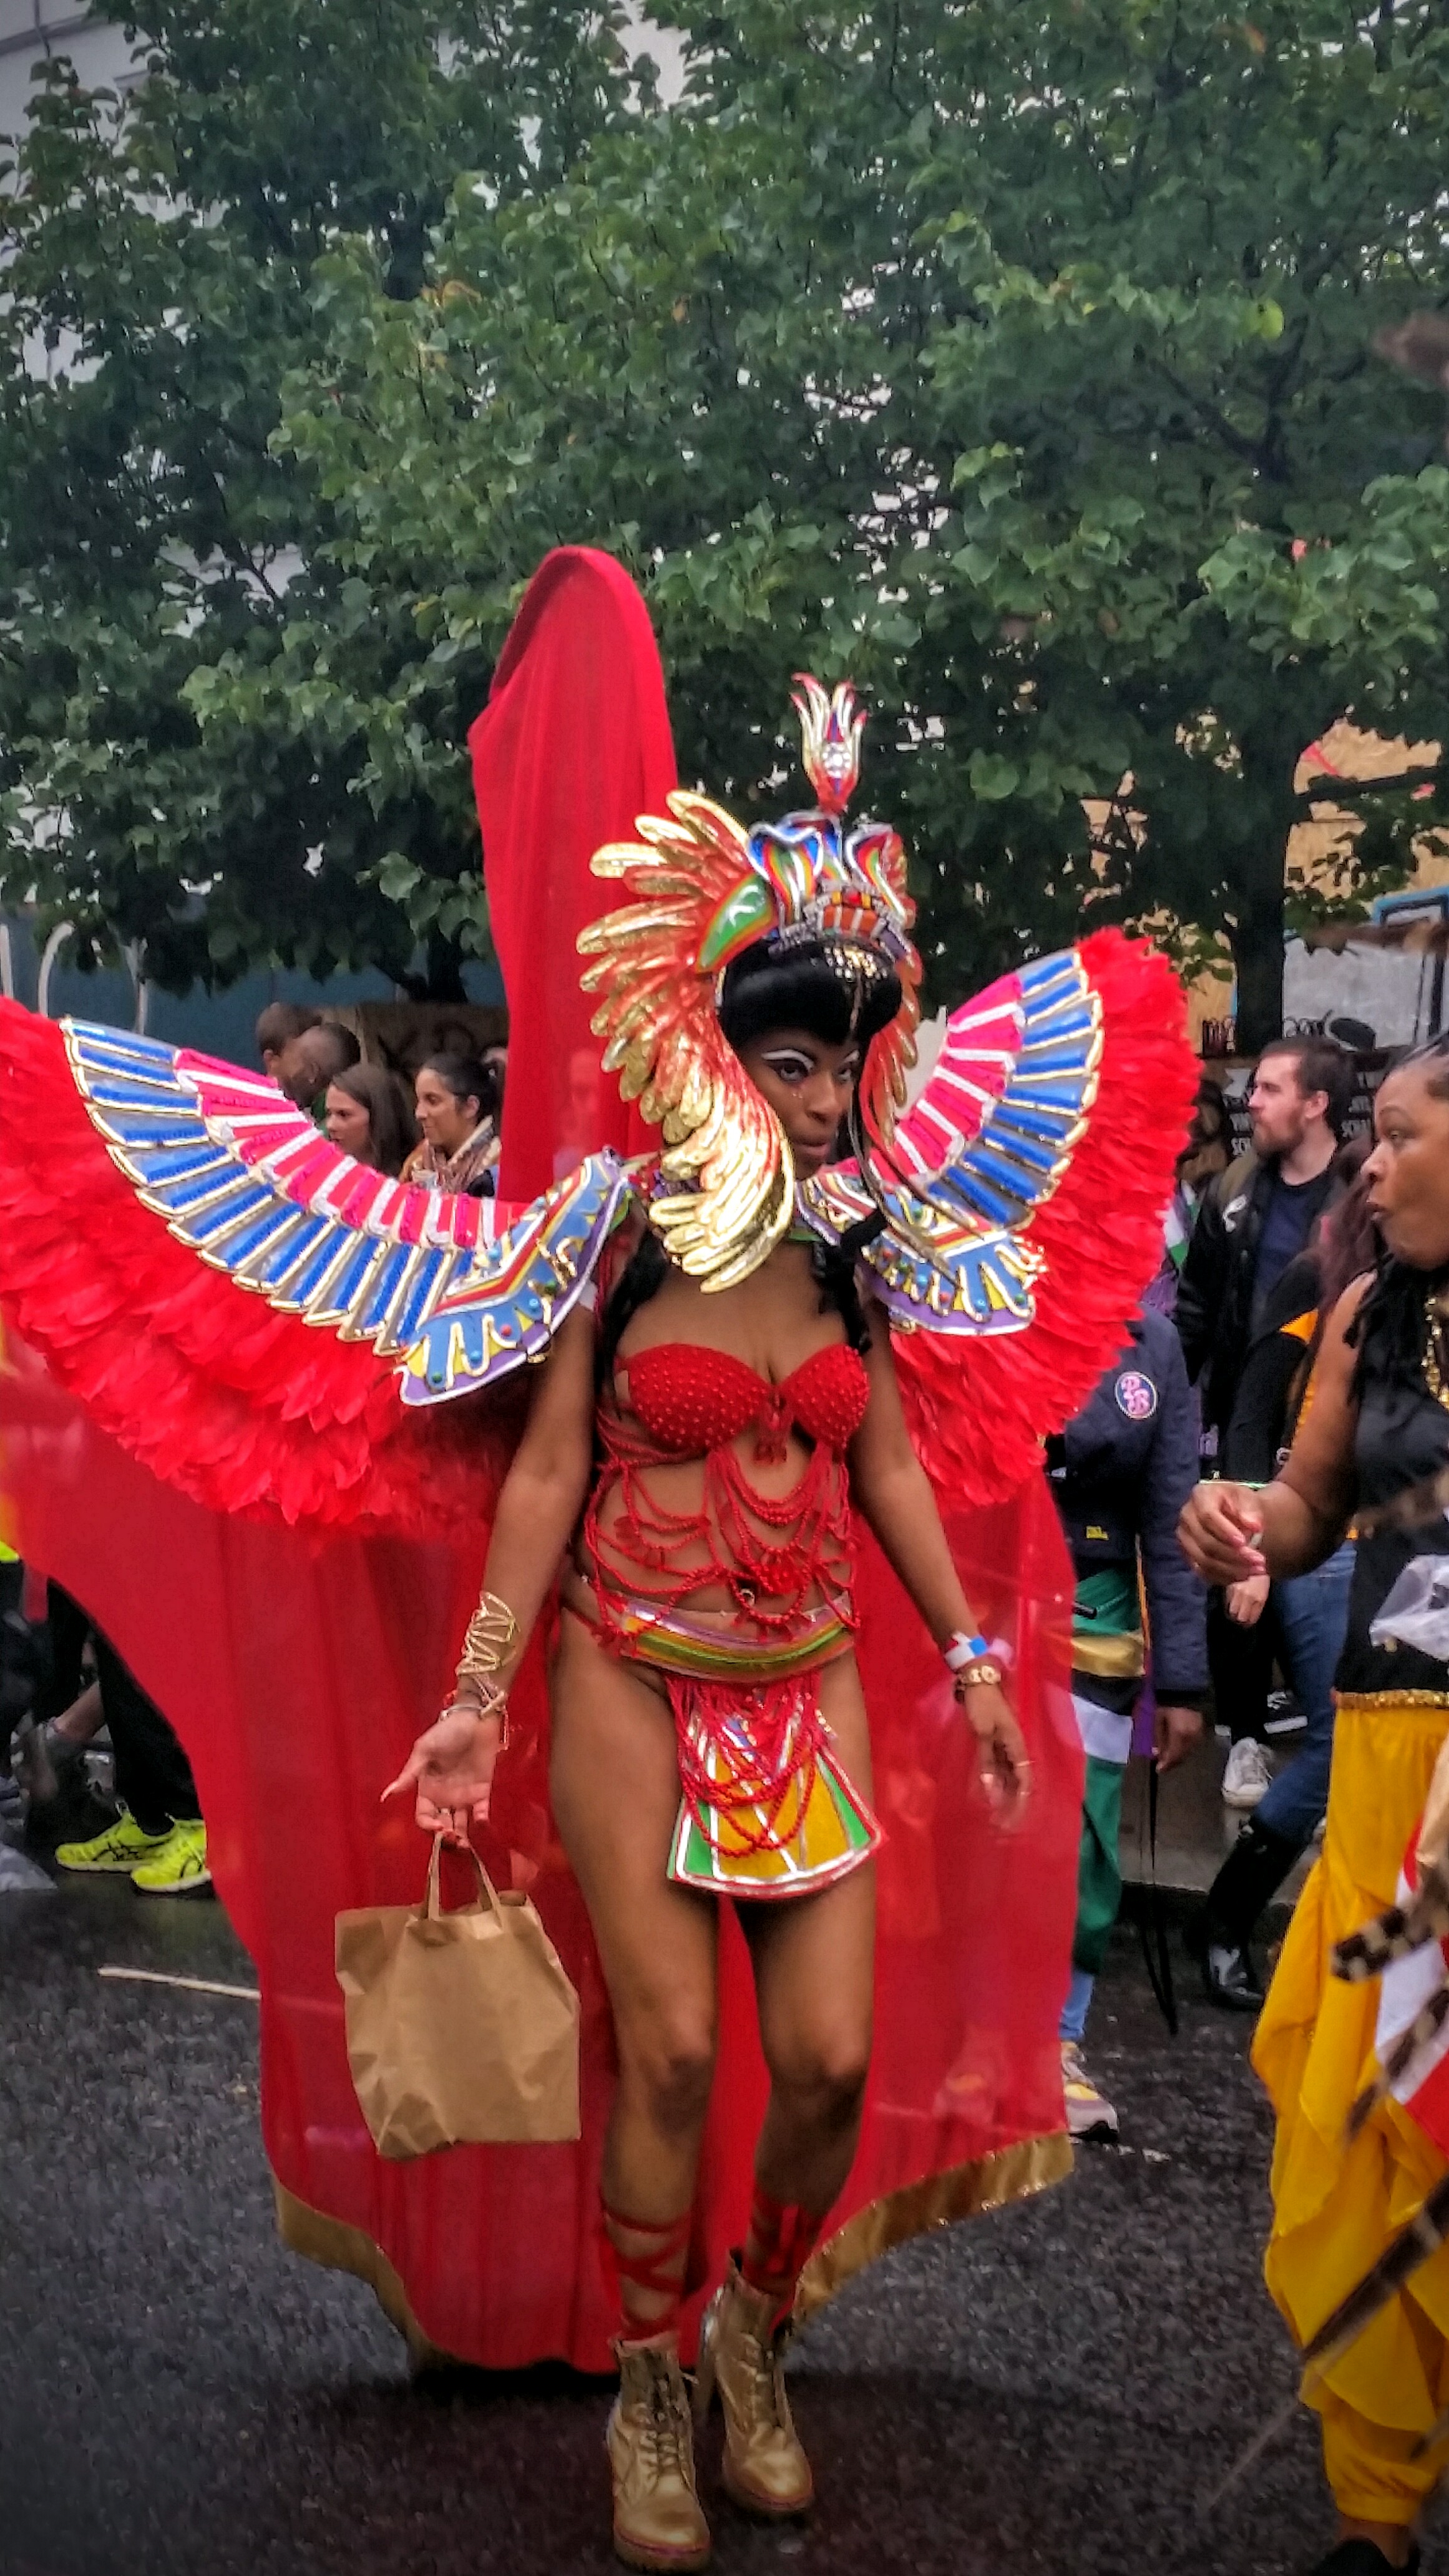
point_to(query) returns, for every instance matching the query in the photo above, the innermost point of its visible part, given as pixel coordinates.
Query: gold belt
(1363, 1701)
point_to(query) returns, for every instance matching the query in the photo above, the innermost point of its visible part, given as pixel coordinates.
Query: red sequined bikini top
(693, 1401)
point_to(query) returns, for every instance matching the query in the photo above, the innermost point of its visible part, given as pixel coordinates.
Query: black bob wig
(792, 984)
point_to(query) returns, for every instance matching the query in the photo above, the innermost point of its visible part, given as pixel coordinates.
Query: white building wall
(32, 29)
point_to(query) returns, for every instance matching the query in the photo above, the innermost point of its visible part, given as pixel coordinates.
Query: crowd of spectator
(441, 1130)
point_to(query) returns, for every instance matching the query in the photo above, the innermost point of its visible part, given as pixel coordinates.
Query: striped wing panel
(981, 1150)
(246, 1182)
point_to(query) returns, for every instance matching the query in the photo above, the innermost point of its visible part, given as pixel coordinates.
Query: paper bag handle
(432, 1905)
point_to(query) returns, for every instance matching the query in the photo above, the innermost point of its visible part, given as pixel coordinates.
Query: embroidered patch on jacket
(1136, 1396)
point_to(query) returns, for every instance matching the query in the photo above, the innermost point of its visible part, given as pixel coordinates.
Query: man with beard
(1251, 1226)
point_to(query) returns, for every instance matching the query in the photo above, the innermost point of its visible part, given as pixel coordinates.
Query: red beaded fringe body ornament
(749, 1745)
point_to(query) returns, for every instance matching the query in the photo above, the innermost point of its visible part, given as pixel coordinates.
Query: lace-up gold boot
(657, 2520)
(765, 2469)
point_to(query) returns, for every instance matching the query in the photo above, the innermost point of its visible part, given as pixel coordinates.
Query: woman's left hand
(1001, 1754)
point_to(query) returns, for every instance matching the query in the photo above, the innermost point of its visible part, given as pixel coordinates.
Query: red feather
(980, 1408)
(239, 1407)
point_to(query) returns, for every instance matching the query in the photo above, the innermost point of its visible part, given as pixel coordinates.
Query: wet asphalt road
(1058, 2387)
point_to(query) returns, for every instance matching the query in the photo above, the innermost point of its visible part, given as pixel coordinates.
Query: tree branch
(1325, 790)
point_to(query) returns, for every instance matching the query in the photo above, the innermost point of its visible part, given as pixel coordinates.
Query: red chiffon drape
(298, 1671)
(297, 1676)
(573, 743)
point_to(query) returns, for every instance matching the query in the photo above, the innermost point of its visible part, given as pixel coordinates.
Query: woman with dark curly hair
(1372, 1449)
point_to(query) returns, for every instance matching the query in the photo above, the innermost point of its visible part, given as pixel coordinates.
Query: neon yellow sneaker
(177, 1867)
(120, 1847)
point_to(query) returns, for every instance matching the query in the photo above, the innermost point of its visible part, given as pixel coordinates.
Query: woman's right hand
(1220, 1531)
(451, 1770)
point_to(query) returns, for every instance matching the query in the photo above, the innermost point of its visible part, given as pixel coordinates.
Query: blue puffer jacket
(1120, 1474)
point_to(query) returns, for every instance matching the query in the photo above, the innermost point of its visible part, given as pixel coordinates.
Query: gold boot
(657, 2520)
(765, 2469)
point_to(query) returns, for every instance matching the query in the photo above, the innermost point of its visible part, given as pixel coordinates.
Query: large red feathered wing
(1029, 1183)
(230, 1297)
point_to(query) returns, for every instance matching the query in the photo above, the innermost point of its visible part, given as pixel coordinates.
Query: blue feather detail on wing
(248, 1184)
(981, 1150)
(480, 1330)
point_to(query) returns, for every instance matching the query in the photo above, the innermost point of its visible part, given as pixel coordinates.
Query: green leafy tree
(1015, 360)
(159, 256)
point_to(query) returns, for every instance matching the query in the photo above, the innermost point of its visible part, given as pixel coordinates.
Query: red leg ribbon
(782, 2238)
(649, 2259)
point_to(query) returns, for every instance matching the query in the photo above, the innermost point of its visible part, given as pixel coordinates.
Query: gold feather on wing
(883, 1090)
(728, 1166)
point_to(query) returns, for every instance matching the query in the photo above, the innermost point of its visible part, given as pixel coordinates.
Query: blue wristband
(961, 1650)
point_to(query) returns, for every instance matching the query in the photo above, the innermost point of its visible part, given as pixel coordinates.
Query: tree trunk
(1257, 944)
(445, 970)
(1257, 879)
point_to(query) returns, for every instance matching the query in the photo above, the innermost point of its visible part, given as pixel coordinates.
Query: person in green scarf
(1120, 1474)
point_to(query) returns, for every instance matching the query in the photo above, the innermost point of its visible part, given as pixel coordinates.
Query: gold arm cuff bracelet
(491, 1638)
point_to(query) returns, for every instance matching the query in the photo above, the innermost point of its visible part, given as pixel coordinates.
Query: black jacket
(1215, 1293)
(1120, 1474)
(1274, 1377)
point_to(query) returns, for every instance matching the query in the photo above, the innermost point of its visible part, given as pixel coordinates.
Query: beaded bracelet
(495, 1705)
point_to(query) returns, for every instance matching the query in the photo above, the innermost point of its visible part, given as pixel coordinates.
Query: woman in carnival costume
(741, 1345)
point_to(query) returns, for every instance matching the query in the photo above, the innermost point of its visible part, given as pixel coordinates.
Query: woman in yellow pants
(1376, 1433)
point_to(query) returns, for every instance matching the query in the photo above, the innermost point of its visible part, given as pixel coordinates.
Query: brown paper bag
(460, 2027)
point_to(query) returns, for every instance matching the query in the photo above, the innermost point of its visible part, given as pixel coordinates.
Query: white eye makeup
(788, 1064)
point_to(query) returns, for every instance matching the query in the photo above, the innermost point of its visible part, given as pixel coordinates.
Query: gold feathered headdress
(704, 890)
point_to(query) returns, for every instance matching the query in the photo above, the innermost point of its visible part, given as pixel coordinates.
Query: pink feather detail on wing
(240, 1407)
(979, 1408)
(968, 1077)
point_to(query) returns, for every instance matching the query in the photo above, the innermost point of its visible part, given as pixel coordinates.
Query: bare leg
(814, 1963)
(813, 1958)
(615, 1787)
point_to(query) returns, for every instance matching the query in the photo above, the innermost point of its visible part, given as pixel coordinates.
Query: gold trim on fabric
(1011, 2173)
(1361, 1702)
(967, 2191)
(340, 2248)
(1108, 1659)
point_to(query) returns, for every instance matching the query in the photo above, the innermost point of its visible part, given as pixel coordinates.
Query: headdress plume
(704, 890)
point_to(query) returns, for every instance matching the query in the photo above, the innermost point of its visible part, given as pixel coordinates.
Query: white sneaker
(1089, 2113)
(1249, 1774)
